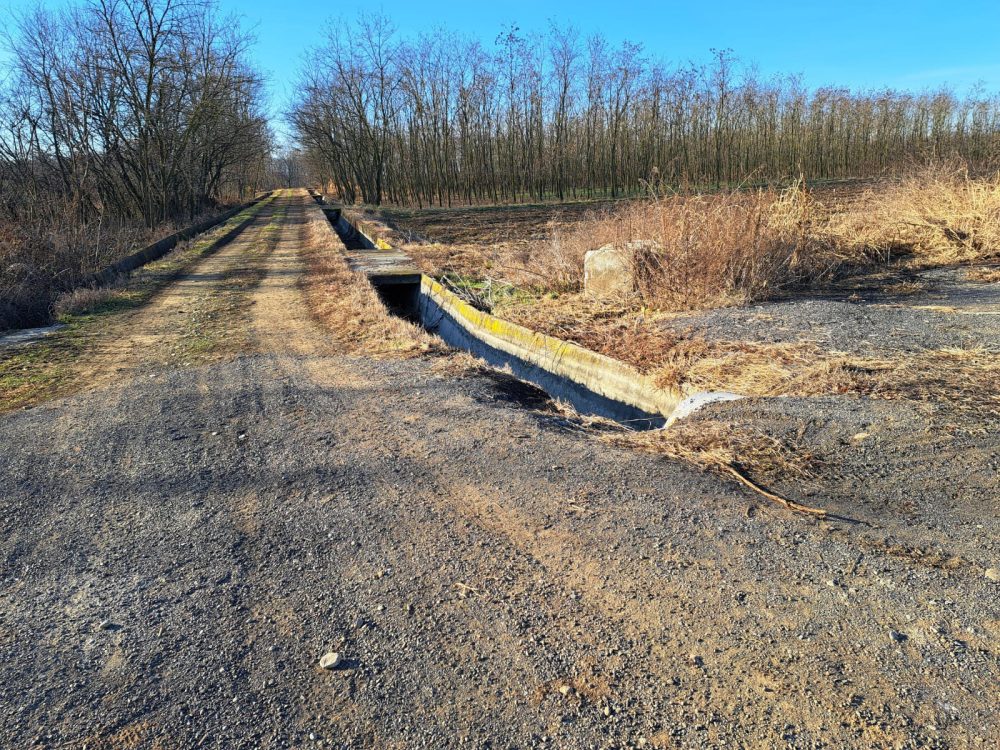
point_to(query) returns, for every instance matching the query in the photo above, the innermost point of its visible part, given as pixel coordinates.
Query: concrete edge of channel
(603, 375)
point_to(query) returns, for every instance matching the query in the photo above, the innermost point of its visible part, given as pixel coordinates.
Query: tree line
(441, 119)
(143, 111)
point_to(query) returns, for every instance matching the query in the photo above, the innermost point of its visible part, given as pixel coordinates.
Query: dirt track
(180, 545)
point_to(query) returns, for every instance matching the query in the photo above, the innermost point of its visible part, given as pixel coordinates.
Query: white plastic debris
(696, 401)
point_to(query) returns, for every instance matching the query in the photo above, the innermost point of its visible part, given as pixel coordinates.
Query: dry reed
(708, 250)
(934, 215)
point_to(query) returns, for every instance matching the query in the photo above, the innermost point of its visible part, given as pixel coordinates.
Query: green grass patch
(487, 294)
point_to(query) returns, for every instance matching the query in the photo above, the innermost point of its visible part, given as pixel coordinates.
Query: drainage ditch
(397, 287)
(586, 380)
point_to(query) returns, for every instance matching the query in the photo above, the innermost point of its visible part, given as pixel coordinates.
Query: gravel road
(180, 545)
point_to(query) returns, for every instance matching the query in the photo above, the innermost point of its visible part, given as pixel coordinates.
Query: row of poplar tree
(442, 119)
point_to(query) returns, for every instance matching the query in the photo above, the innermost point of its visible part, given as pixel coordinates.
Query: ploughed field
(235, 468)
(534, 222)
(491, 224)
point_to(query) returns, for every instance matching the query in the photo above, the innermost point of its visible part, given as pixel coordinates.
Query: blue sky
(915, 44)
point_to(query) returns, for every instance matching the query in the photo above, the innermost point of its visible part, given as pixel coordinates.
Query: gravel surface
(948, 312)
(181, 548)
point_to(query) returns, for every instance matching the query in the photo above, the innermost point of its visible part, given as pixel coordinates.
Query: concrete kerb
(163, 246)
(604, 376)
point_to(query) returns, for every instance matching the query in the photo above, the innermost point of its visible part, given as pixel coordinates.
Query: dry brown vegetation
(985, 275)
(82, 300)
(736, 449)
(707, 250)
(968, 378)
(935, 215)
(711, 250)
(348, 305)
(42, 258)
(724, 248)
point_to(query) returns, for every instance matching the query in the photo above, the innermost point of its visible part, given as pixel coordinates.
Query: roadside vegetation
(696, 251)
(119, 123)
(45, 369)
(743, 246)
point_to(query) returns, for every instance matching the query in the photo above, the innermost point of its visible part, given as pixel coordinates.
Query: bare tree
(425, 120)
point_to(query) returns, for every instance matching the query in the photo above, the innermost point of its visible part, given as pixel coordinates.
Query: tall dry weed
(701, 250)
(740, 246)
(936, 214)
(44, 259)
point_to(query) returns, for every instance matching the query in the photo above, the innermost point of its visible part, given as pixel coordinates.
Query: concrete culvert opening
(399, 290)
(400, 296)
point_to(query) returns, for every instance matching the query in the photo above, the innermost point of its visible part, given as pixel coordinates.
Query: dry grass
(986, 275)
(734, 449)
(701, 250)
(43, 259)
(348, 306)
(714, 443)
(501, 247)
(544, 266)
(82, 300)
(709, 250)
(968, 378)
(737, 247)
(40, 260)
(935, 215)
(905, 288)
(457, 364)
(708, 444)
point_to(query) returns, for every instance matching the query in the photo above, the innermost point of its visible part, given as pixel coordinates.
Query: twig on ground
(790, 504)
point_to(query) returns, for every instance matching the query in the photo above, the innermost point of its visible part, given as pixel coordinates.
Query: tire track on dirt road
(153, 336)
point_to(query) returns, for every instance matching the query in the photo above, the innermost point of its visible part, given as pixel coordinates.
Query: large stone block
(610, 271)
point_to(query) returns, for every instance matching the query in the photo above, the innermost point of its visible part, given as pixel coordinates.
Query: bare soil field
(459, 240)
(536, 222)
(248, 486)
(530, 222)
